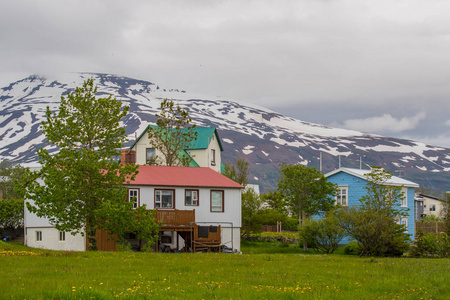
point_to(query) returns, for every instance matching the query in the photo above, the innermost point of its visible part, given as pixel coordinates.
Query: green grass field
(278, 272)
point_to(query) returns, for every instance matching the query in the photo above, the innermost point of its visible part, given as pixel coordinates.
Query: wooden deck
(202, 238)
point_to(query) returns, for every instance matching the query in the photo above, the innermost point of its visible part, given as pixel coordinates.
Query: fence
(430, 227)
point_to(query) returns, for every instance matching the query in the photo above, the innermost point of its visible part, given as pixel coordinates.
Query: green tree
(251, 207)
(374, 223)
(10, 178)
(76, 183)
(172, 135)
(11, 195)
(275, 200)
(306, 190)
(11, 213)
(238, 172)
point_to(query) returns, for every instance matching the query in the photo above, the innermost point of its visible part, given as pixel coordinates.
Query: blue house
(351, 187)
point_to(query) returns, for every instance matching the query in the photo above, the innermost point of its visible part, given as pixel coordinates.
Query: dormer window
(213, 157)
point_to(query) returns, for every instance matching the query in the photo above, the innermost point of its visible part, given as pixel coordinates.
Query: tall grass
(30, 274)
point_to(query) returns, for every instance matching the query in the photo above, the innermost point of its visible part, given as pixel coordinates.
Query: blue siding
(356, 190)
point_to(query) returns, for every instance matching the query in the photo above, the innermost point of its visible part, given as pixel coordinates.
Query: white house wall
(50, 239)
(232, 203)
(141, 150)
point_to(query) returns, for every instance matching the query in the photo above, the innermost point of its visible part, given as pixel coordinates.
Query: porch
(176, 224)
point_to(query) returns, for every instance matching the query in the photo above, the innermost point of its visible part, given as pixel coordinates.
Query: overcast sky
(377, 66)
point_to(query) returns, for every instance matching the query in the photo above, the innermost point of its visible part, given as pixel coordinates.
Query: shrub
(352, 248)
(291, 224)
(322, 235)
(431, 245)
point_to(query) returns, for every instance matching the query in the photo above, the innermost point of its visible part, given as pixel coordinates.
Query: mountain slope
(263, 137)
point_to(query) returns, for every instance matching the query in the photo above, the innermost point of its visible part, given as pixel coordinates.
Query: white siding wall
(50, 235)
(50, 239)
(232, 203)
(141, 150)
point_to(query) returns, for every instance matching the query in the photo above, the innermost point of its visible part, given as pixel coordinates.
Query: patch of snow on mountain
(421, 168)
(248, 149)
(408, 158)
(265, 153)
(227, 141)
(433, 158)
(310, 128)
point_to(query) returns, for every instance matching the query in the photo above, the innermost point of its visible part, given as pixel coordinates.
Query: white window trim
(339, 194)
(62, 236)
(404, 200)
(130, 197)
(193, 191)
(159, 191)
(38, 236)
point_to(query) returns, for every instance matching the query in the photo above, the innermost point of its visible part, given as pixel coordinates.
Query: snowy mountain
(265, 138)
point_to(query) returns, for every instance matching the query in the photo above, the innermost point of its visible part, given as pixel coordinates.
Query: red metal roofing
(182, 176)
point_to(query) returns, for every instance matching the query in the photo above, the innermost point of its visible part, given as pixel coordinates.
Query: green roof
(204, 136)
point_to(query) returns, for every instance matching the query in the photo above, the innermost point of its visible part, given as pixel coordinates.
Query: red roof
(182, 176)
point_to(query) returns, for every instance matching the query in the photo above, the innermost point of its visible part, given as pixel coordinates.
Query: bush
(322, 235)
(352, 248)
(431, 245)
(291, 224)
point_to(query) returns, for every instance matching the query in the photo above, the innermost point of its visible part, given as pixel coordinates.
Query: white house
(432, 206)
(200, 209)
(205, 151)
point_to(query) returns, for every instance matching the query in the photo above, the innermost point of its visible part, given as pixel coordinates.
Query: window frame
(432, 207)
(147, 159)
(173, 199)
(185, 197)
(404, 199)
(223, 201)
(138, 197)
(38, 236)
(339, 195)
(62, 236)
(213, 157)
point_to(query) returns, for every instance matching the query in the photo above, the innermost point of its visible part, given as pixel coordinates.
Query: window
(191, 198)
(342, 196)
(38, 236)
(150, 155)
(164, 199)
(213, 157)
(404, 199)
(62, 236)
(404, 221)
(217, 204)
(432, 207)
(133, 196)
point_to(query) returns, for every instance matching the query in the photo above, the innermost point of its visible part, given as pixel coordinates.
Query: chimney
(128, 156)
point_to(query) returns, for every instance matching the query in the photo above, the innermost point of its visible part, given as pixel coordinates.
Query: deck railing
(175, 217)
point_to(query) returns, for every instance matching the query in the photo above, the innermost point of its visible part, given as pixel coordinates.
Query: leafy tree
(172, 135)
(251, 206)
(10, 176)
(275, 200)
(305, 190)
(79, 182)
(11, 195)
(238, 172)
(374, 224)
(11, 213)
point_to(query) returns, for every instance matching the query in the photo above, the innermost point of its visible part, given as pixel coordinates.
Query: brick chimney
(128, 156)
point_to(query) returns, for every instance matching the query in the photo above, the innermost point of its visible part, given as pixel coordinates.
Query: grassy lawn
(287, 274)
